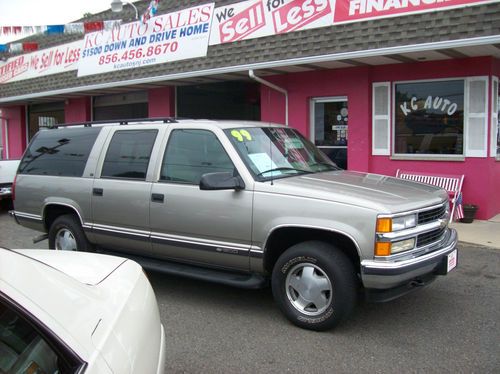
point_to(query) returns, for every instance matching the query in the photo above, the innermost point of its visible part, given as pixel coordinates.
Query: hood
(378, 192)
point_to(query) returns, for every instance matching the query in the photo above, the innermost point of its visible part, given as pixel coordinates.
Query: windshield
(276, 152)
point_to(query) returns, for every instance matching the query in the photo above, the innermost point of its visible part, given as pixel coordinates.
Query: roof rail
(117, 121)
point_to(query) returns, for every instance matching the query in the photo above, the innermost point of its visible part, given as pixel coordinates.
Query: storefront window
(429, 118)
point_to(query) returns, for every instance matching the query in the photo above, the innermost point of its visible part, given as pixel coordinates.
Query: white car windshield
(277, 152)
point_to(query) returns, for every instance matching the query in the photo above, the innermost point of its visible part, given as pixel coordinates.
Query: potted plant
(469, 213)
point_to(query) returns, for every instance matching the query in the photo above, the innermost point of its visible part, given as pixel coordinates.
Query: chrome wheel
(65, 240)
(309, 289)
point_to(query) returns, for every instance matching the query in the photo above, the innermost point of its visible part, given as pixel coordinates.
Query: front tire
(67, 234)
(315, 285)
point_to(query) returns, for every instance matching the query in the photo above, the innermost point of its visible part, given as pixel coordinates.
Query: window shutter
(476, 117)
(381, 119)
(494, 117)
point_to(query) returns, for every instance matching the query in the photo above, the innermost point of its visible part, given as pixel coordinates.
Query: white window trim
(482, 115)
(494, 116)
(386, 117)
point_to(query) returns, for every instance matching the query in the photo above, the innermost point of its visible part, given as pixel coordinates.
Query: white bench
(450, 182)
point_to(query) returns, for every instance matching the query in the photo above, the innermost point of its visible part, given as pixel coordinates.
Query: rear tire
(67, 234)
(315, 285)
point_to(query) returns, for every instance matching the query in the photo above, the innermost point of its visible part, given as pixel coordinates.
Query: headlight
(403, 245)
(391, 248)
(386, 224)
(404, 222)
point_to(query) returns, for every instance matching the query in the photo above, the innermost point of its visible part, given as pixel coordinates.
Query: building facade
(413, 88)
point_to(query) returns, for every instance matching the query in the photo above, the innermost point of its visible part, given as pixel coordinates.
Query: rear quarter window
(128, 154)
(61, 152)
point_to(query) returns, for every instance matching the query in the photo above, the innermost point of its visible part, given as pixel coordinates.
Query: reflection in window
(59, 152)
(128, 154)
(429, 118)
(192, 153)
(271, 153)
(24, 350)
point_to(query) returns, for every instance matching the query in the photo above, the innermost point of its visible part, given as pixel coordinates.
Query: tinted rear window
(128, 154)
(59, 152)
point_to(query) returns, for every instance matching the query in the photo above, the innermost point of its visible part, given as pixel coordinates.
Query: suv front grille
(431, 215)
(429, 237)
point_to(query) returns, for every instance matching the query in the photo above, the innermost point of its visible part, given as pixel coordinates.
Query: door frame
(312, 125)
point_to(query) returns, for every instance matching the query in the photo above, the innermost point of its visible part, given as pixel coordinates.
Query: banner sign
(40, 63)
(165, 38)
(357, 10)
(258, 18)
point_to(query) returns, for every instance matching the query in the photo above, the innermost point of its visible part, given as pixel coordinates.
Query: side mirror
(221, 181)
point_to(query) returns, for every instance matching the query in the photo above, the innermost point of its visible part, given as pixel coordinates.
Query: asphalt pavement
(451, 326)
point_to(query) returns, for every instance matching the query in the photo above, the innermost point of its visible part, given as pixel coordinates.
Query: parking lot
(450, 326)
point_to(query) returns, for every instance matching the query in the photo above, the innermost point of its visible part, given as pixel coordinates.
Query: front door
(329, 127)
(193, 225)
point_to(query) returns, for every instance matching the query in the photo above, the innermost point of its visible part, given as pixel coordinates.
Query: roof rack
(117, 121)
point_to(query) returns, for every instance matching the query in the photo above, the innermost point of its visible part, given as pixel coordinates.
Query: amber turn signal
(382, 249)
(384, 224)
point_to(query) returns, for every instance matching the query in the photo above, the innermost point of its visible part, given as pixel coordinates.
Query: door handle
(97, 191)
(157, 198)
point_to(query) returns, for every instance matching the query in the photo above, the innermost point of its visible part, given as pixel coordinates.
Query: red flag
(30, 47)
(93, 26)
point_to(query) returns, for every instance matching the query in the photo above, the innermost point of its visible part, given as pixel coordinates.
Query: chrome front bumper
(383, 275)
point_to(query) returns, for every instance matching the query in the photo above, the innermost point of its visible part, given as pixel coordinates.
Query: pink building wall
(77, 110)
(161, 102)
(302, 87)
(15, 118)
(482, 175)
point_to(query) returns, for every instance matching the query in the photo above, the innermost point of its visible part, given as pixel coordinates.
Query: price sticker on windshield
(241, 135)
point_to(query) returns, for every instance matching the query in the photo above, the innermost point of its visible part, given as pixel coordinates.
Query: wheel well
(282, 239)
(53, 211)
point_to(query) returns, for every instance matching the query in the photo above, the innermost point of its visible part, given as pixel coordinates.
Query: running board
(240, 280)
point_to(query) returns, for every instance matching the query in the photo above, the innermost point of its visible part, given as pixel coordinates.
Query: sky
(45, 12)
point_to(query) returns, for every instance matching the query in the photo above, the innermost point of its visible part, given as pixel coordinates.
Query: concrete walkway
(486, 233)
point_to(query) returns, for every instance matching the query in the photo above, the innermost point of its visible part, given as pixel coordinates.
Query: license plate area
(451, 261)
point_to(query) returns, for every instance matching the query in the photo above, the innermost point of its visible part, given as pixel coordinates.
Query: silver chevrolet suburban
(240, 203)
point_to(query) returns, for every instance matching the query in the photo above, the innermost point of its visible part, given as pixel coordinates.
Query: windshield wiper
(283, 168)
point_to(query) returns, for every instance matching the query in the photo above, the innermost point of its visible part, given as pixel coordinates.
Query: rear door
(191, 225)
(122, 190)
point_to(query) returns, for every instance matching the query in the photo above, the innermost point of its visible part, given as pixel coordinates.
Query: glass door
(329, 127)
